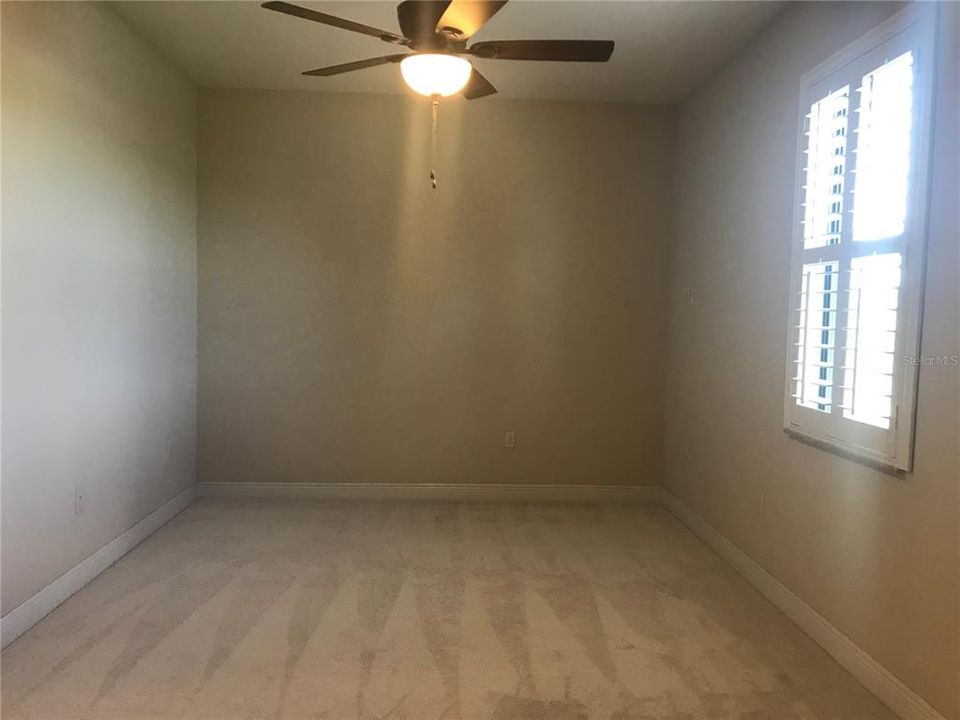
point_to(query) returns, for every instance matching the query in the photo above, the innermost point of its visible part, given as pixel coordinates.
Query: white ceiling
(664, 49)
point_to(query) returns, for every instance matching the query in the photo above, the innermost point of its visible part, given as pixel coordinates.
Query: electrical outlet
(510, 439)
(78, 499)
(763, 504)
(686, 456)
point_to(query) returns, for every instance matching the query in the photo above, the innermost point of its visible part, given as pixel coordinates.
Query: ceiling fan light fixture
(435, 73)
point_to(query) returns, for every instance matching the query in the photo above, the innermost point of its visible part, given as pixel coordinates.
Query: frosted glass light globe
(435, 73)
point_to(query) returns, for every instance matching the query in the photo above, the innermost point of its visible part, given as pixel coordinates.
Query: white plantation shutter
(816, 336)
(871, 338)
(858, 248)
(884, 125)
(825, 170)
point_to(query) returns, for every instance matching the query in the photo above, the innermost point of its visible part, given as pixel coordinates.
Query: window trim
(921, 19)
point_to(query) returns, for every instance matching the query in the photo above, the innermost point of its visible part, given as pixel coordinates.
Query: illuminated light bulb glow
(435, 73)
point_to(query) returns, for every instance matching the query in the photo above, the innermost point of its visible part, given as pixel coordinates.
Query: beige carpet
(423, 611)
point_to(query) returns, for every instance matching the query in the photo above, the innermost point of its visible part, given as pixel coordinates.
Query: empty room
(480, 360)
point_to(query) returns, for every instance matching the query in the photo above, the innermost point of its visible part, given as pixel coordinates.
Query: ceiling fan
(436, 33)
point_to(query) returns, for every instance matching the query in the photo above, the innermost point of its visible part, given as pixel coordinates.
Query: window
(857, 262)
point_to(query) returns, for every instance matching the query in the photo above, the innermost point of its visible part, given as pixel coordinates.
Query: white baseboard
(34, 609)
(871, 674)
(435, 491)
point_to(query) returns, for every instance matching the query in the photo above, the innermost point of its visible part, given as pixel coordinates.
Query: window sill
(849, 452)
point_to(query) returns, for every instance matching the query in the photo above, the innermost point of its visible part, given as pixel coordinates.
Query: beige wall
(99, 285)
(357, 326)
(876, 555)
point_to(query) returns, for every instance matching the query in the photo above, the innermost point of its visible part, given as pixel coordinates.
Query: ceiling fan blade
(477, 86)
(358, 65)
(558, 50)
(468, 16)
(418, 18)
(307, 14)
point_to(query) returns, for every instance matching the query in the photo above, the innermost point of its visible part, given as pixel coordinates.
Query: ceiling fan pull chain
(433, 144)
